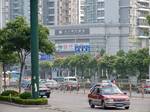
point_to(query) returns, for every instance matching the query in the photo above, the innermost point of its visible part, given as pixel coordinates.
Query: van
(71, 83)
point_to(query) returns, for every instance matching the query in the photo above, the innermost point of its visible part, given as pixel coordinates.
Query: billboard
(65, 47)
(45, 57)
(73, 47)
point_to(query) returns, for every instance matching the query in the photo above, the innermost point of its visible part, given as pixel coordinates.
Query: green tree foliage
(6, 57)
(133, 63)
(17, 39)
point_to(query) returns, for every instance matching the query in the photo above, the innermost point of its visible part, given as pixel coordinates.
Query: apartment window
(51, 11)
(50, 23)
(82, 7)
(50, 4)
(100, 4)
(100, 13)
(51, 18)
(100, 20)
(15, 5)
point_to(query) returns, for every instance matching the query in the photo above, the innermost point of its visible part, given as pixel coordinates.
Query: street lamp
(34, 48)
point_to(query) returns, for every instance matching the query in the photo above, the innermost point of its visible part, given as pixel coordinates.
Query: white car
(71, 83)
(52, 84)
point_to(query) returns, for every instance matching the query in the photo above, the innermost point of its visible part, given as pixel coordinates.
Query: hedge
(25, 95)
(9, 92)
(17, 100)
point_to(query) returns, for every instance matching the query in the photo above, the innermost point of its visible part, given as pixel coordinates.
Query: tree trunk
(4, 74)
(21, 72)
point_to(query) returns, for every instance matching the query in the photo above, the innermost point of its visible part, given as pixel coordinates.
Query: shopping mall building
(89, 38)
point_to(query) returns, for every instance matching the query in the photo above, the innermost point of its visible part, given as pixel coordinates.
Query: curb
(25, 106)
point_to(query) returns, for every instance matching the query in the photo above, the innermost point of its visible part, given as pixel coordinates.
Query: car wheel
(48, 95)
(127, 107)
(91, 105)
(41, 96)
(103, 105)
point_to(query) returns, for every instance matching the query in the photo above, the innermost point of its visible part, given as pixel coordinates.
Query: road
(73, 102)
(79, 103)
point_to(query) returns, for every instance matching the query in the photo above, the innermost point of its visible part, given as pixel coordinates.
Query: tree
(58, 65)
(82, 63)
(6, 57)
(142, 54)
(45, 67)
(73, 63)
(120, 66)
(93, 67)
(131, 63)
(120, 53)
(18, 40)
(107, 64)
(102, 52)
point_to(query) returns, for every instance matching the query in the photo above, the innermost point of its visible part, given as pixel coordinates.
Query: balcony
(143, 1)
(143, 37)
(143, 9)
(142, 17)
(142, 26)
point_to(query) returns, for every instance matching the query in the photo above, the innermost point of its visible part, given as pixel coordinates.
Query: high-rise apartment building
(101, 11)
(4, 12)
(19, 8)
(1, 13)
(67, 12)
(81, 12)
(49, 12)
(132, 12)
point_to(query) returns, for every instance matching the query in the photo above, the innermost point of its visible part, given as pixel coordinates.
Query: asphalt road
(73, 102)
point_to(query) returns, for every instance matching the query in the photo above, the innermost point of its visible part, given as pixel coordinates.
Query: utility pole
(34, 48)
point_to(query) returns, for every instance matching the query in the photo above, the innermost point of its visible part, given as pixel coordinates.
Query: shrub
(38, 101)
(25, 95)
(5, 98)
(9, 92)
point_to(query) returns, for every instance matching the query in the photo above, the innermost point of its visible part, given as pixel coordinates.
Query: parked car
(145, 85)
(71, 83)
(108, 96)
(43, 90)
(52, 84)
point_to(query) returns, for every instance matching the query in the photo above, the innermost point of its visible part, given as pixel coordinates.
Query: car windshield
(111, 90)
(42, 86)
(72, 79)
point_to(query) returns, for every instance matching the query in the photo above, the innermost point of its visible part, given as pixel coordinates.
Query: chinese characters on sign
(81, 31)
(73, 47)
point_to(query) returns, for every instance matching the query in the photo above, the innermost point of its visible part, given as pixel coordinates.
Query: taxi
(108, 95)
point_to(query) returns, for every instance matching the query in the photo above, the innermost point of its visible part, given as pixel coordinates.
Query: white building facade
(89, 38)
(132, 12)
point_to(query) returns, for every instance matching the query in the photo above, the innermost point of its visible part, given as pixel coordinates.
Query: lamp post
(34, 48)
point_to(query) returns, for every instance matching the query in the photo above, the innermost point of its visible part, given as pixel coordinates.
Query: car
(52, 84)
(103, 83)
(145, 85)
(71, 83)
(59, 79)
(43, 90)
(108, 96)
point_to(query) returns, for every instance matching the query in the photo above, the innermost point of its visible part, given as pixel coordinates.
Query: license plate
(119, 105)
(42, 93)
